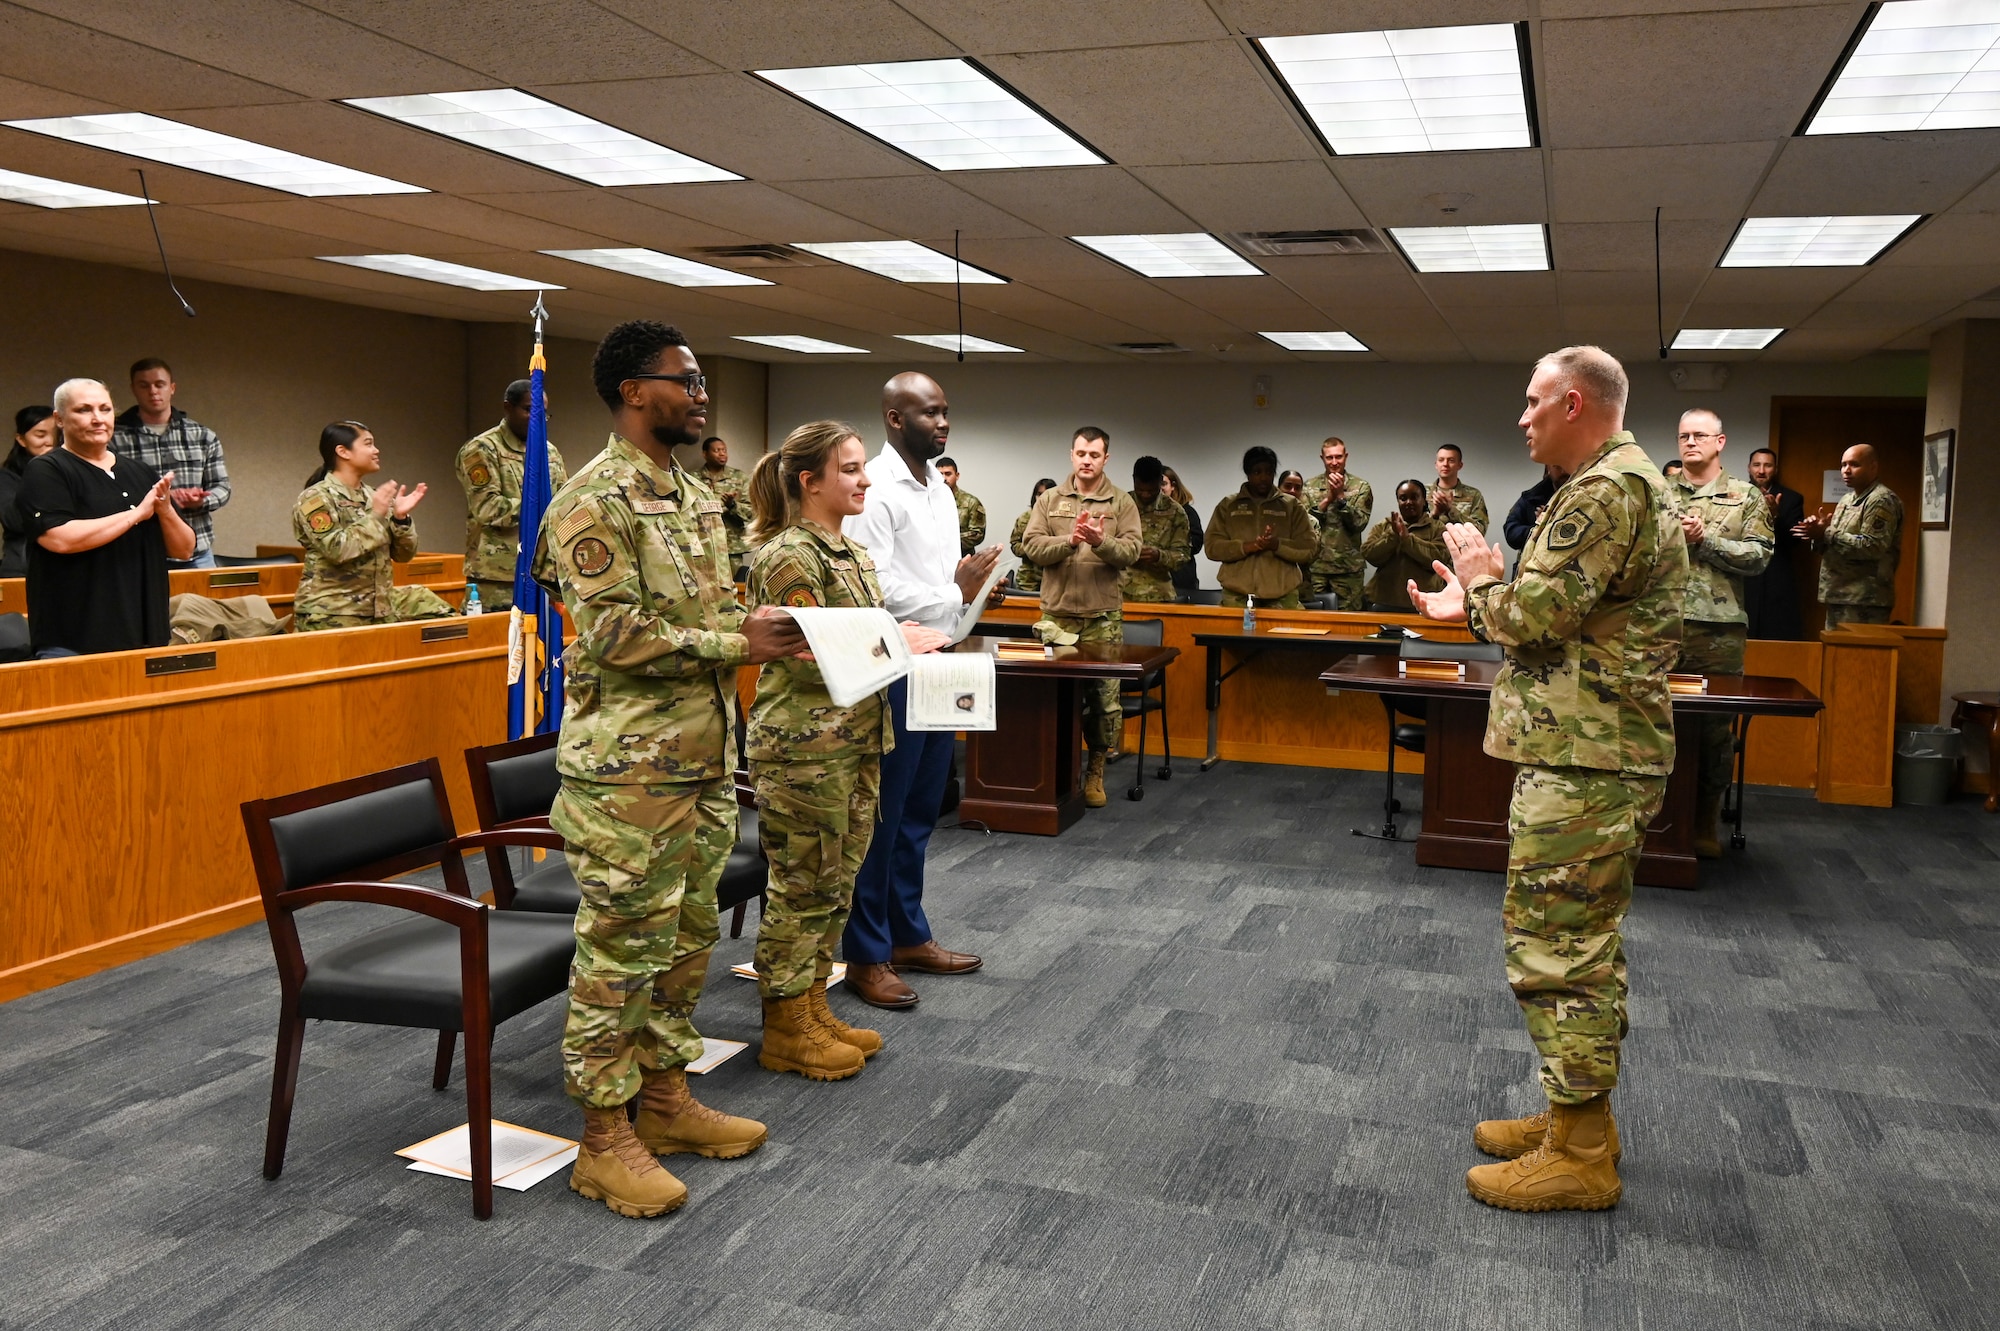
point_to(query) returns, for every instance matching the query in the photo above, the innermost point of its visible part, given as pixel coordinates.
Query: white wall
(1012, 423)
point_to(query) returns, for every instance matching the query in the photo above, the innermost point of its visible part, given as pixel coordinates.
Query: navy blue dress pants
(889, 891)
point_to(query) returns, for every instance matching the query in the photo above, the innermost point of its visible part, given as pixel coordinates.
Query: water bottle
(472, 606)
(1249, 614)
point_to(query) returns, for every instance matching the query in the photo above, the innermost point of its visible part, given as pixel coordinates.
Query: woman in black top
(103, 531)
(1185, 577)
(34, 435)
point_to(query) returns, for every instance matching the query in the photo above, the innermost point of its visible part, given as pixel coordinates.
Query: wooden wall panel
(1858, 727)
(126, 788)
(1783, 750)
(276, 583)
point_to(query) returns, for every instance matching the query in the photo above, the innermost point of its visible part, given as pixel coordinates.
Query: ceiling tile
(1453, 292)
(21, 100)
(60, 55)
(1885, 318)
(609, 214)
(1910, 282)
(1062, 25)
(1256, 196)
(546, 41)
(38, 155)
(1955, 238)
(358, 232)
(1251, 303)
(1776, 284)
(1711, 180)
(1628, 246)
(783, 34)
(1048, 262)
(489, 223)
(1585, 289)
(910, 208)
(1158, 105)
(1290, 18)
(1078, 200)
(756, 210)
(1870, 174)
(1414, 189)
(1337, 283)
(370, 143)
(1822, 344)
(1686, 78)
(737, 122)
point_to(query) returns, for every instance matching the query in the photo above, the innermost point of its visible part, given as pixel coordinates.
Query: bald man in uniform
(1859, 545)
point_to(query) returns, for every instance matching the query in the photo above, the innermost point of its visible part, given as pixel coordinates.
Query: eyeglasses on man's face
(696, 384)
(1696, 437)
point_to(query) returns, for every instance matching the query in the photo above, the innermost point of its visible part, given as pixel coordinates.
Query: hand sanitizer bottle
(1250, 614)
(472, 606)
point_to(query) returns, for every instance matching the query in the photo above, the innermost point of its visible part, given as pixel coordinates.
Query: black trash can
(1926, 763)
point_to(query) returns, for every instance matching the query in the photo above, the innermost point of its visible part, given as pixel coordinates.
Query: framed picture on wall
(1936, 500)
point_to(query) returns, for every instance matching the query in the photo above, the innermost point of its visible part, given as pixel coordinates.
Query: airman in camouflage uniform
(1341, 520)
(732, 487)
(1262, 538)
(971, 513)
(1735, 544)
(1456, 502)
(1403, 547)
(1028, 577)
(1859, 546)
(817, 769)
(490, 467)
(1163, 529)
(1591, 626)
(349, 577)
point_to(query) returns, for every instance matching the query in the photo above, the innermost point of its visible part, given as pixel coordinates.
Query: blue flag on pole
(535, 639)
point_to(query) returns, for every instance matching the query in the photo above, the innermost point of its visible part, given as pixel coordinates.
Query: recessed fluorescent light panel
(510, 122)
(436, 270)
(175, 144)
(812, 346)
(1725, 339)
(1182, 254)
(1474, 249)
(1814, 242)
(1923, 64)
(658, 267)
(952, 341)
(903, 260)
(1316, 341)
(16, 187)
(1414, 90)
(949, 114)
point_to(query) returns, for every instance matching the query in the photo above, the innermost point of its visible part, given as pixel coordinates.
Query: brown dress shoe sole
(924, 968)
(886, 1004)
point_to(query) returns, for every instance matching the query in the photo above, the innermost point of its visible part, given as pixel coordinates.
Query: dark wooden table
(1245, 647)
(1982, 709)
(1027, 776)
(1466, 791)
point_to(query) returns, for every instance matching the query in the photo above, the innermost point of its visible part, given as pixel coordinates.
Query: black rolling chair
(1409, 737)
(454, 964)
(1326, 601)
(15, 642)
(1136, 698)
(1202, 596)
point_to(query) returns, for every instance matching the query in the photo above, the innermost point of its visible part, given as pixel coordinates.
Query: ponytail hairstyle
(340, 434)
(774, 481)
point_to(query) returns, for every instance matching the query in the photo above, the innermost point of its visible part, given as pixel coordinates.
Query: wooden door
(1809, 435)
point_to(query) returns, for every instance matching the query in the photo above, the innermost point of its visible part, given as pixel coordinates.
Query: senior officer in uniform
(1084, 534)
(1341, 505)
(1591, 625)
(1261, 536)
(489, 468)
(1860, 546)
(648, 799)
(1728, 530)
(1164, 542)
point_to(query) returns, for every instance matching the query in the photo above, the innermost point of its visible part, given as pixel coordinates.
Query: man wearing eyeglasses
(1728, 529)
(647, 802)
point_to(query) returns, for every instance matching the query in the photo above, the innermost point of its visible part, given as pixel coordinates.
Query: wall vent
(1150, 348)
(1271, 244)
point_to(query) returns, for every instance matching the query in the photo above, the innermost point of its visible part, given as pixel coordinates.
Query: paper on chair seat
(951, 691)
(859, 651)
(522, 1157)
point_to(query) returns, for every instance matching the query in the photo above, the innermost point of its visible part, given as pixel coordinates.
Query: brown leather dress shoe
(930, 959)
(878, 985)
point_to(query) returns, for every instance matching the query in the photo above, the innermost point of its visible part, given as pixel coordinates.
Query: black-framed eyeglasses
(1696, 437)
(694, 383)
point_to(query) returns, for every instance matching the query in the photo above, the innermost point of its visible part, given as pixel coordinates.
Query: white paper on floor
(714, 1053)
(749, 972)
(522, 1157)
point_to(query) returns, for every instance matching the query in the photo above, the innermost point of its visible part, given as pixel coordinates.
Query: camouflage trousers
(1145, 587)
(405, 604)
(647, 858)
(1347, 586)
(495, 595)
(1836, 615)
(1576, 835)
(1289, 601)
(815, 819)
(1103, 718)
(1712, 649)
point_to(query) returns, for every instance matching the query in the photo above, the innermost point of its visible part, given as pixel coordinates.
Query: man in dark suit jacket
(1527, 510)
(1772, 597)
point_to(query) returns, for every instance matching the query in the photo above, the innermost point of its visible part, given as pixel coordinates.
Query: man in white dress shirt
(910, 526)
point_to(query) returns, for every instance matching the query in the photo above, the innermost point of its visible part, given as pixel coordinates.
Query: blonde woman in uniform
(816, 767)
(352, 537)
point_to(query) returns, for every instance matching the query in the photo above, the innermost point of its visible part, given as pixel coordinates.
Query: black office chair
(1136, 698)
(1326, 601)
(455, 965)
(16, 644)
(1408, 737)
(1201, 596)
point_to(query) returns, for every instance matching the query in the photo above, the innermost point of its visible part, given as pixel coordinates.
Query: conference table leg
(1214, 705)
(1026, 776)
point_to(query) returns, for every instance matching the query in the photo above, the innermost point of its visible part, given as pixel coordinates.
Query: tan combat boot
(867, 1041)
(795, 1041)
(614, 1167)
(671, 1120)
(1572, 1170)
(1708, 827)
(1093, 781)
(1512, 1138)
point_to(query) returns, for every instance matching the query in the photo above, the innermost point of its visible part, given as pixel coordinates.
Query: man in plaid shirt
(169, 440)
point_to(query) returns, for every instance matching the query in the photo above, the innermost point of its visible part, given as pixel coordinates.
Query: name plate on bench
(242, 578)
(179, 665)
(420, 567)
(1419, 669)
(446, 632)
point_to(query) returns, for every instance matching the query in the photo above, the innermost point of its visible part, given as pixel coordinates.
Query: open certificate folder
(951, 691)
(969, 618)
(858, 651)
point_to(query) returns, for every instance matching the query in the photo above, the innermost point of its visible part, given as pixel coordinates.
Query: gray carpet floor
(1219, 1071)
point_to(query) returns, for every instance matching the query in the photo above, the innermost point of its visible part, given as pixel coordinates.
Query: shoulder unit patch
(1567, 532)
